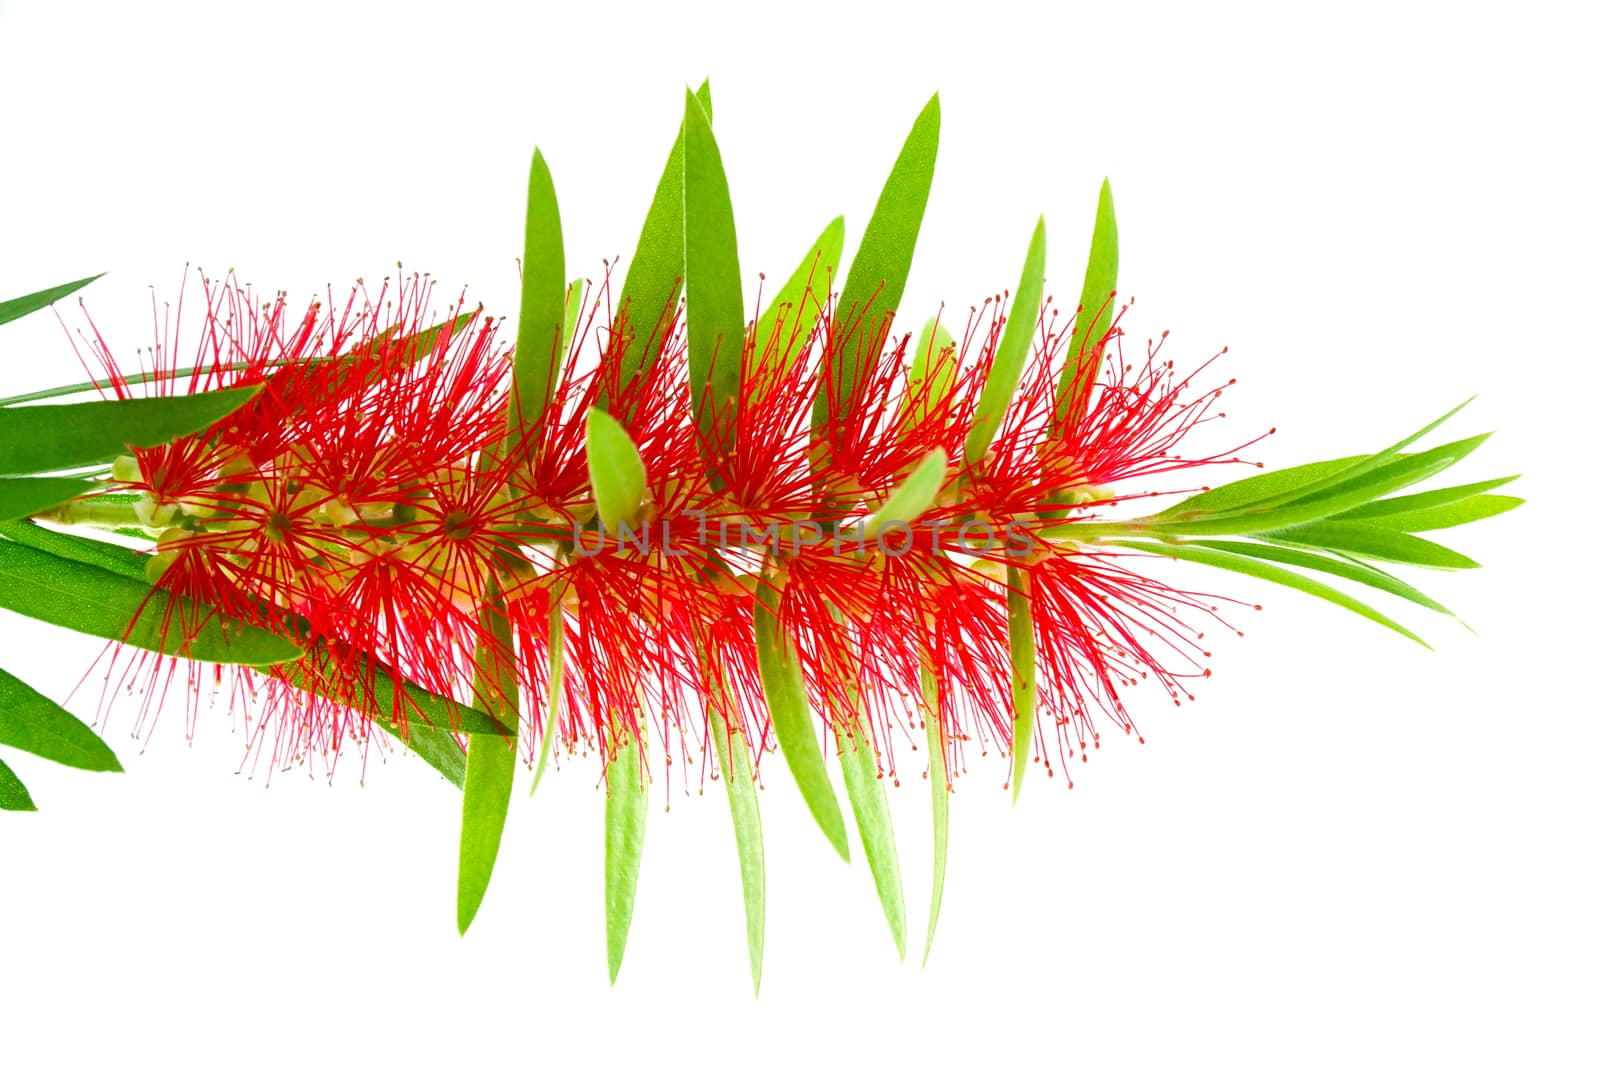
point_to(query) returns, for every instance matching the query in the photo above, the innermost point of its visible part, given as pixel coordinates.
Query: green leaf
(33, 722)
(26, 305)
(21, 497)
(1364, 573)
(871, 806)
(569, 316)
(626, 802)
(1228, 561)
(1009, 358)
(878, 273)
(13, 794)
(83, 597)
(784, 687)
(1340, 493)
(553, 699)
(915, 495)
(1258, 487)
(118, 559)
(1375, 542)
(1433, 498)
(939, 778)
(1024, 694)
(1443, 516)
(616, 471)
(542, 314)
(930, 378)
(491, 760)
(786, 324)
(711, 280)
(734, 759)
(1094, 318)
(62, 436)
(650, 293)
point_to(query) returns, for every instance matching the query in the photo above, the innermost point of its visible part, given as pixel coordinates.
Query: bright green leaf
(19, 306)
(939, 778)
(734, 758)
(626, 803)
(569, 316)
(871, 806)
(616, 471)
(914, 496)
(1338, 566)
(21, 497)
(711, 279)
(1375, 542)
(1228, 561)
(1256, 488)
(13, 794)
(1024, 695)
(1009, 358)
(786, 324)
(877, 277)
(63, 436)
(930, 378)
(83, 597)
(118, 559)
(1094, 318)
(542, 313)
(650, 293)
(1433, 498)
(1443, 516)
(33, 722)
(784, 688)
(557, 631)
(491, 760)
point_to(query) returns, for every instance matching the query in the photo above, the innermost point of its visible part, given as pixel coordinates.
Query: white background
(1347, 849)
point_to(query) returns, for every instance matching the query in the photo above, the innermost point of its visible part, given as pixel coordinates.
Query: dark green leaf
(871, 806)
(1228, 561)
(1094, 318)
(616, 471)
(118, 559)
(542, 313)
(1019, 626)
(19, 306)
(21, 497)
(784, 688)
(13, 794)
(33, 722)
(63, 436)
(940, 781)
(626, 802)
(1374, 542)
(877, 277)
(491, 760)
(786, 324)
(1015, 343)
(711, 279)
(83, 597)
(650, 293)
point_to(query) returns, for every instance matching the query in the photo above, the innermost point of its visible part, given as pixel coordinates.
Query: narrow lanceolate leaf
(930, 378)
(558, 628)
(85, 598)
(1443, 516)
(1009, 358)
(542, 312)
(786, 324)
(55, 437)
(118, 559)
(491, 761)
(734, 758)
(914, 496)
(616, 471)
(715, 303)
(21, 497)
(650, 293)
(1024, 697)
(1375, 542)
(784, 688)
(1338, 566)
(1250, 491)
(33, 722)
(13, 794)
(19, 306)
(1095, 315)
(871, 806)
(939, 778)
(1433, 498)
(626, 803)
(877, 277)
(569, 316)
(1258, 569)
